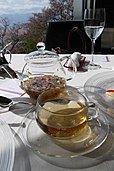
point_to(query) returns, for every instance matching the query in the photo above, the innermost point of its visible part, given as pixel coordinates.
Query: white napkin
(76, 57)
(79, 60)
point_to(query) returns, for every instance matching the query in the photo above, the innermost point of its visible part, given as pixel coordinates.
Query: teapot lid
(41, 52)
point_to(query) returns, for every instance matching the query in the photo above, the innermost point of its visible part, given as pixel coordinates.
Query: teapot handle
(69, 65)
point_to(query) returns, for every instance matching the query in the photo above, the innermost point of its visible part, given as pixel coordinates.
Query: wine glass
(94, 22)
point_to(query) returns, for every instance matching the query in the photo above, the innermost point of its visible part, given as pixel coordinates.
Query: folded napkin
(80, 61)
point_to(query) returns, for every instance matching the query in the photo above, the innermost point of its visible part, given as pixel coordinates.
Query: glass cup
(65, 122)
(62, 115)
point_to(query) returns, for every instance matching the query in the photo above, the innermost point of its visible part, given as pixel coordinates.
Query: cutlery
(8, 104)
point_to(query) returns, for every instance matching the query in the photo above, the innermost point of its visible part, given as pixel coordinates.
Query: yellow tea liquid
(64, 120)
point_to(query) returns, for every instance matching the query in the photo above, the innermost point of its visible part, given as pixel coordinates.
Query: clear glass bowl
(100, 90)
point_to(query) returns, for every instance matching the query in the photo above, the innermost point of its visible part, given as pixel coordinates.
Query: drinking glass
(94, 22)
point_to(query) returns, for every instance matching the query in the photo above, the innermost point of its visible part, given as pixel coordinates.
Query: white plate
(7, 147)
(95, 89)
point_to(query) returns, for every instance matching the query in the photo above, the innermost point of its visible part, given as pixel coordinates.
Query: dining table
(24, 158)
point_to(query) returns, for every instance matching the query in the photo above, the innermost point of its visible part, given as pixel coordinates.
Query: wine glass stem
(92, 50)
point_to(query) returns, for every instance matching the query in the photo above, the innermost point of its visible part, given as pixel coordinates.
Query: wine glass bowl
(94, 23)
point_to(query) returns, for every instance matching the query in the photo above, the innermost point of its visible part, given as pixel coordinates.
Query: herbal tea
(62, 118)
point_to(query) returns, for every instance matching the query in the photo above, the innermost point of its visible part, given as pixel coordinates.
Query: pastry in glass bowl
(36, 85)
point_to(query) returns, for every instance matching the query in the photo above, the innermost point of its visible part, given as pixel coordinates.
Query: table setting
(37, 148)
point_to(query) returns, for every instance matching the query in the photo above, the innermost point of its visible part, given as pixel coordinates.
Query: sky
(22, 6)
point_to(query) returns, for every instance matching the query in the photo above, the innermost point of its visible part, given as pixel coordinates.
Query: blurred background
(57, 23)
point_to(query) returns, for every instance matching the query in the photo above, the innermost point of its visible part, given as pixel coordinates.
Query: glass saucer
(91, 138)
(96, 90)
(7, 147)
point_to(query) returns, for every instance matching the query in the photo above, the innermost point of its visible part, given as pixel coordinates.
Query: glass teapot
(45, 69)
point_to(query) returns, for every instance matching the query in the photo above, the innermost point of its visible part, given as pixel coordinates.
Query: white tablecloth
(25, 159)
